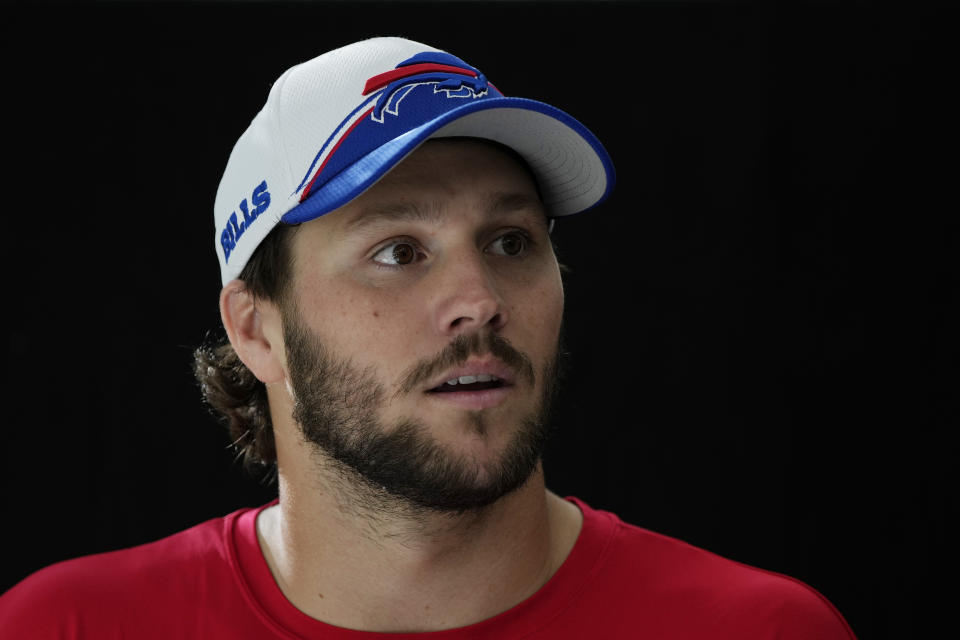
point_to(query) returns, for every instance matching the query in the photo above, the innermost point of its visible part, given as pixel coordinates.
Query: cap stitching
(285, 161)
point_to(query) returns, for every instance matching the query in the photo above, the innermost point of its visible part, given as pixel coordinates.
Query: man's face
(441, 273)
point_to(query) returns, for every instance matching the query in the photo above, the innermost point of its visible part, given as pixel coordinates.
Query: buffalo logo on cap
(357, 135)
(448, 73)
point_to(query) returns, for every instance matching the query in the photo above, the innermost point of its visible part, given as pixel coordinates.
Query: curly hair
(228, 386)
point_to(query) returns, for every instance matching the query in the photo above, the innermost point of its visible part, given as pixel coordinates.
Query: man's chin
(468, 430)
(442, 474)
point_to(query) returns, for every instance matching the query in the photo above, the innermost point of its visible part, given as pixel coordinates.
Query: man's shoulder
(107, 570)
(668, 580)
(137, 581)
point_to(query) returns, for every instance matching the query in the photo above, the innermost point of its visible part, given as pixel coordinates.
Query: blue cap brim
(579, 181)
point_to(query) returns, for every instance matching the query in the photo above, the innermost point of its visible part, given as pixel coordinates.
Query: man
(393, 307)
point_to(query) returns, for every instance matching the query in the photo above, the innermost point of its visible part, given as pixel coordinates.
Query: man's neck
(391, 572)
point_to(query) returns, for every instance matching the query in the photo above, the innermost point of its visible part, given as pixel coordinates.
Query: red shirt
(619, 581)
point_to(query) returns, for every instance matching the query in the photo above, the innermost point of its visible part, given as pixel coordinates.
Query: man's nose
(468, 298)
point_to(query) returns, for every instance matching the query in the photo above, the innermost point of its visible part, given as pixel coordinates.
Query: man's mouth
(479, 382)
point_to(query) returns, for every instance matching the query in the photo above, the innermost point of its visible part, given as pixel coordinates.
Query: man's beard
(336, 407)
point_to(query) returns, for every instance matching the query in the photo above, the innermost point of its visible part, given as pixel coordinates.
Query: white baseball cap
(335, 125)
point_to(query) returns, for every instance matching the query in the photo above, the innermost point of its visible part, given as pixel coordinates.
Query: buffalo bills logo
(423, 83)
(447, 73)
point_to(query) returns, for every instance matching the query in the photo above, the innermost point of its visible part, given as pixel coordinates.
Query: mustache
(459, 351)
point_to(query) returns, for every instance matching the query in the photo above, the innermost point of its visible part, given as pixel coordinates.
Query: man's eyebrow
(395, 212)
(431, 212)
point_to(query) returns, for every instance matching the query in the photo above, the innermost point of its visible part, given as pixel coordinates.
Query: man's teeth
(483, 377)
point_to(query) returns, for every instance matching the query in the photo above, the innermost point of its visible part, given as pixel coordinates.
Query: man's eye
(396, 254)
(510, 244)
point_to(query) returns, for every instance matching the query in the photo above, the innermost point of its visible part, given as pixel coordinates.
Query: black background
(763, 318)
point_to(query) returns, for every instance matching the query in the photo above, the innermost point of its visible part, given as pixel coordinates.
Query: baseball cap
(333, 126)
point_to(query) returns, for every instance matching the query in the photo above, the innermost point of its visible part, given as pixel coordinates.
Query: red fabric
(619, 581)
(386, 78)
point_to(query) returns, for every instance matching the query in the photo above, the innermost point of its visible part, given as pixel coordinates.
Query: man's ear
(254, 329)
